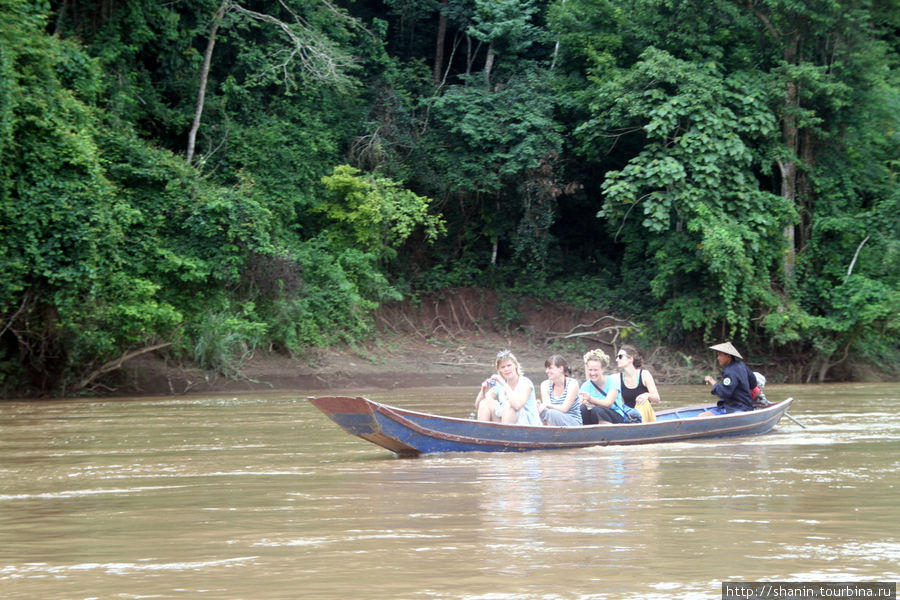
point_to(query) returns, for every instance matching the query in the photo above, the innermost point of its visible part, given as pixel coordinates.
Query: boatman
(737, 381)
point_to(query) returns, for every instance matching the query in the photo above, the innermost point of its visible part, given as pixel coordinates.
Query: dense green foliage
(204, 178)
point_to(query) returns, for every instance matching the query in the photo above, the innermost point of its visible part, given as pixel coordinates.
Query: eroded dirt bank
(449, 339)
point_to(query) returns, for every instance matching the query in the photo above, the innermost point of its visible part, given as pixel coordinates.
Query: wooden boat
(410, 433)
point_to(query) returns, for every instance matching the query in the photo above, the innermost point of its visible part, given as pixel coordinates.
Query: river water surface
(260, 496)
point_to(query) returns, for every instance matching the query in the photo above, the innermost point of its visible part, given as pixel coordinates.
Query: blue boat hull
(410, 433)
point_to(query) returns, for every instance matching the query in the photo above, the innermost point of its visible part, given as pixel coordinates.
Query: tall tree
(204, 78)
(69, 302)
(439, 44)
(812, 43)
(310, 49)
(692, 184)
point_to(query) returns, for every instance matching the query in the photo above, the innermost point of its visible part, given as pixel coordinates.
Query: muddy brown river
(260, 496)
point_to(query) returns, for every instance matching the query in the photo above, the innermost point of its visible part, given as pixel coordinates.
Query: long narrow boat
(410, 433)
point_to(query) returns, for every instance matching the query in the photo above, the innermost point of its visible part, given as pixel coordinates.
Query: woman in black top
(636, 385)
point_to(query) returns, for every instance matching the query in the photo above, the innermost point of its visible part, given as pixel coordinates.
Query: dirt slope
(449, 339)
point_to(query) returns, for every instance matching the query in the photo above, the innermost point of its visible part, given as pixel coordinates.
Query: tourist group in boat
(508, 396)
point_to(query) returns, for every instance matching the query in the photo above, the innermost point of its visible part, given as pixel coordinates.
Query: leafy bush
(223, 341)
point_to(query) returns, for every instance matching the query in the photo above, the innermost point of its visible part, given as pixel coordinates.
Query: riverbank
(389, 362)
(386, 363)
(450, 339)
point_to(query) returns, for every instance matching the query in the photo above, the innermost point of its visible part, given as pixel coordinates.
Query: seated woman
(635, 384)
(738, 380)
(507, 396)
(559, 405)
(600, 400)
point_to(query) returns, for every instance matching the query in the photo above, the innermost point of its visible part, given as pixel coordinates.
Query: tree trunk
(805, 192)
(114, 365)
(61, 16)
(855, 256)
(788, 185)
(488, 65)
(790, 137)
(204, 75)
(823, 371)
(790, 52)
(439, 44)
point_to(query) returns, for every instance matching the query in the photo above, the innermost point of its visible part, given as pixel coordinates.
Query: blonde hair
(505, 355)
(598, 355)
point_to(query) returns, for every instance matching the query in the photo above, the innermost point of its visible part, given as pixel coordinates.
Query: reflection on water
(261, 496)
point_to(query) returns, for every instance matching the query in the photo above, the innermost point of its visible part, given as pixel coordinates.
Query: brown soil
(450, 339)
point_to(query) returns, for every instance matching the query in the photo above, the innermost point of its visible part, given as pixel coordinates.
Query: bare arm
(545, 391)
(484, 391)
(607, 400)
(652, 394)
(519, 396)
(611, 397)
(569, 400)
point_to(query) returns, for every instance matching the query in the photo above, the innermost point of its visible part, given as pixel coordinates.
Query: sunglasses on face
(621, 356)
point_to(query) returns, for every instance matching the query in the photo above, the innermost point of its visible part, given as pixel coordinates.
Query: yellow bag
(648, 415)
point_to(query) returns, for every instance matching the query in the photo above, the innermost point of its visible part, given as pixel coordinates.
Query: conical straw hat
(727, 348)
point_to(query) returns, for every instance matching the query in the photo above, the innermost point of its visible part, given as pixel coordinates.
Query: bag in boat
(632, 416)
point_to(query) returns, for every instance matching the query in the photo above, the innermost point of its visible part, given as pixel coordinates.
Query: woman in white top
(560, 405)
(507, 396)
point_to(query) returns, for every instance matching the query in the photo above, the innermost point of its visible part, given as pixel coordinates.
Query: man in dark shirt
(737, 381)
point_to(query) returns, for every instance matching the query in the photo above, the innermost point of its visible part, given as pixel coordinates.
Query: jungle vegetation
(204, 178)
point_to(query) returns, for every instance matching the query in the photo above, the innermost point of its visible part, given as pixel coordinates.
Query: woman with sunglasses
(636, 384)
(507, 396)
